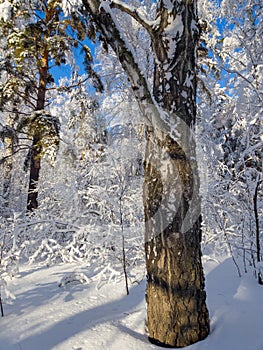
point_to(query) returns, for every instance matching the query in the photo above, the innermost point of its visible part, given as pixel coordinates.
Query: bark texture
(176, 308)
(35, 166)
(177, 312)
(176, 299)
(36, 148)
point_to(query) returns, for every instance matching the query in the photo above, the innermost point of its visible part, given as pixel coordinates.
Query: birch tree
(175, 295)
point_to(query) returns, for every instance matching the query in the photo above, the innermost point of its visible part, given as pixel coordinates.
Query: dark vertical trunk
(36, 148)
(35, 166)
(177, 312)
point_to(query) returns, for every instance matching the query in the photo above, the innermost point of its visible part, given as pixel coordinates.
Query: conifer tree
(38, 37)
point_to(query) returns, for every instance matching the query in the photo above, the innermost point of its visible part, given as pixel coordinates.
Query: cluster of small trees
(88, 158)
(231, 131)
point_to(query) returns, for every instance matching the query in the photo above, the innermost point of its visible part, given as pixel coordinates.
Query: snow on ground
(79, 316)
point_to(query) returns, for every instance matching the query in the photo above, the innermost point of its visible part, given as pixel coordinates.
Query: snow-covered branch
(133, 12)
(112, 32)
(234, 71)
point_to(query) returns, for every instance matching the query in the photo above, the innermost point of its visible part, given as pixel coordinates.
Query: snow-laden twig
(134, 13)
(106, 274)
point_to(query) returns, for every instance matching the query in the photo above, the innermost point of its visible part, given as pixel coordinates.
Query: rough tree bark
(175, 295)
(36, 148)
(173, 256)
(35, 166)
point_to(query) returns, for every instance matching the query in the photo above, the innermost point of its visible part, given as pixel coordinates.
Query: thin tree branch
(110, 31)
(66, 88)
(4, 159)
(26, 100)
(233, 71)
(133, 12)
(18, 112)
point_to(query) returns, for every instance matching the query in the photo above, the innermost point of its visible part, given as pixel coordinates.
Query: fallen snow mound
(74, 278)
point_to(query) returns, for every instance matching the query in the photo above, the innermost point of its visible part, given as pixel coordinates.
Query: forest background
(72, 138)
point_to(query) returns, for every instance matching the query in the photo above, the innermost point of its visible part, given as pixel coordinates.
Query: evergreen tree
(38, 37)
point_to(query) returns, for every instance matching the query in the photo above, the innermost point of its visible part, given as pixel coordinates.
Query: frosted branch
(234, 71)
(133, 12)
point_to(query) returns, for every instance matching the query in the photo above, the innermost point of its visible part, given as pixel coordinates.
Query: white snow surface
(5, 10)
(80, 316)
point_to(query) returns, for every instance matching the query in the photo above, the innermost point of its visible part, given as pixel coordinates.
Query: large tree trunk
(36, 148)
(35, 166)
(177, 313)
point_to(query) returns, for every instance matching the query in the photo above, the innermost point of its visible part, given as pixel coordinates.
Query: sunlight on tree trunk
(177, 312)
